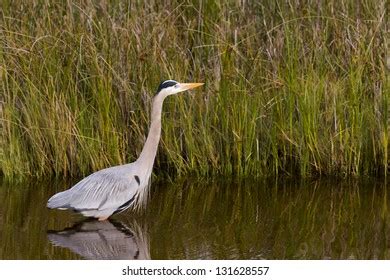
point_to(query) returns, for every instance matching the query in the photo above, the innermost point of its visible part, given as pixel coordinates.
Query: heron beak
(187, 86)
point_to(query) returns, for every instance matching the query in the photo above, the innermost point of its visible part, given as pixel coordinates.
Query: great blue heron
(117, 188)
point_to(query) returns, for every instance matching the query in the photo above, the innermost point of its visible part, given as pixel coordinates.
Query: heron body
(114, 189)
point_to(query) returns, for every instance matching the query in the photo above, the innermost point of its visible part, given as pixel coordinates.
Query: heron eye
(176, 86)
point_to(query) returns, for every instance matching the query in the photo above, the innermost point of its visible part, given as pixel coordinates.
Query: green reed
(296, 89)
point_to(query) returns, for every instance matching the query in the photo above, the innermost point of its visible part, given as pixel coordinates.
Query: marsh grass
(295, 89)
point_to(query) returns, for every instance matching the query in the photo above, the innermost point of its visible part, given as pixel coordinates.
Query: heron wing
(105, 189)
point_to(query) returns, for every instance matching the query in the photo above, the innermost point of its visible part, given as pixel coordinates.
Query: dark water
(199, 219)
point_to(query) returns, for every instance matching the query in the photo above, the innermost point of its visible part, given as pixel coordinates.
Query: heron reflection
(96, 240)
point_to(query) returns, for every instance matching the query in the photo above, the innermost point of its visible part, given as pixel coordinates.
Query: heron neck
(149, 151)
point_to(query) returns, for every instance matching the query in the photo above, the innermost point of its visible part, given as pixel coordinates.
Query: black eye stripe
(166, 84)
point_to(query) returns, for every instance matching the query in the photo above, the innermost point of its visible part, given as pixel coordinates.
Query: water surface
(206, 219)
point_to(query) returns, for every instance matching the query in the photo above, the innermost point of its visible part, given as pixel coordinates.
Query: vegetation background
(292, 87)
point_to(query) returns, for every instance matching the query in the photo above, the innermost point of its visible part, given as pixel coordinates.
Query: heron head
(170, 87)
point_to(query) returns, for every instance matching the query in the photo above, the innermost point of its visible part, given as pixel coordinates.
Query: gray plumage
(117, 188)
(99, 194)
